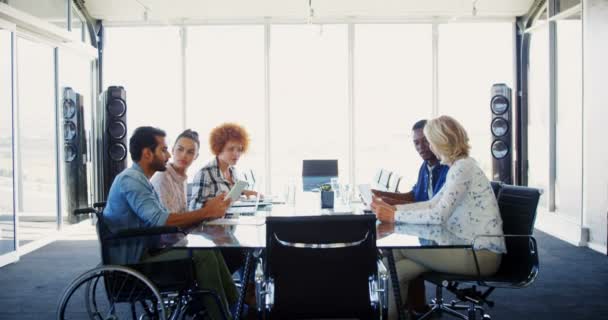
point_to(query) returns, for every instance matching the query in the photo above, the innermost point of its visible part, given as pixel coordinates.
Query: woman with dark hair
(171, 187)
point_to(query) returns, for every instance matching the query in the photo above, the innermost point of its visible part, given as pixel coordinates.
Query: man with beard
(133, 203)
(431, 178)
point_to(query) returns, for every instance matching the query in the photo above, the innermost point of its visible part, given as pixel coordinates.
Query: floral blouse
(171, 188)
(466, 205)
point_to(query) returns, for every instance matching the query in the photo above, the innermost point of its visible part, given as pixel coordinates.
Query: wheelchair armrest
(144, 232)
(99, 204)
(84, 211)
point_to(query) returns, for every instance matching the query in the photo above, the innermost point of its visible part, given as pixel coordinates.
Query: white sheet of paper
(366, 193)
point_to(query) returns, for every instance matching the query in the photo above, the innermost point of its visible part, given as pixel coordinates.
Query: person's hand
(251, 194)
(384, 211)
(384, 229)
(216, 207)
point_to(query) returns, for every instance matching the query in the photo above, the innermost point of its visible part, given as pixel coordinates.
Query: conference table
(248, 232)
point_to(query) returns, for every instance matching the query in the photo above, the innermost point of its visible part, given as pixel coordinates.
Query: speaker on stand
(114, 136)
(501, 129)
(75, 153)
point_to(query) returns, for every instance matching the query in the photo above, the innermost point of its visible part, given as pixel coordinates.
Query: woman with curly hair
(227, 142)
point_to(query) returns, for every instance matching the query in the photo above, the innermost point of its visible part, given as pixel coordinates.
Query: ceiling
(191, 11)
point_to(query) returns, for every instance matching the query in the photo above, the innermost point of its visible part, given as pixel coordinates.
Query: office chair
(148, 290)
(321, 267)
(519, 266)
(393, 182)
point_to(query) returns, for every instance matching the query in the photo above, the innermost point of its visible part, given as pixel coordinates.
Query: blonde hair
(448, 138)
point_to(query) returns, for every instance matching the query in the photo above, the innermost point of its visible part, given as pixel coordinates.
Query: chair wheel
(486, 317)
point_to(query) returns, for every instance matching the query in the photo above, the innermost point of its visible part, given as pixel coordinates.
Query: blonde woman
(465, 206)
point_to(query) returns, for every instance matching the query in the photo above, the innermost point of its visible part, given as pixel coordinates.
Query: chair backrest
(318, 172)
(321, 265)
(517, 207)
(384, 179)
(393, 182)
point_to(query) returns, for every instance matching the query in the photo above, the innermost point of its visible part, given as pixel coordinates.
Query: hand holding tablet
(237, 189)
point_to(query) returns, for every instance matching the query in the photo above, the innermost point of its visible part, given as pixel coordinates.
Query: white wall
(595, 97)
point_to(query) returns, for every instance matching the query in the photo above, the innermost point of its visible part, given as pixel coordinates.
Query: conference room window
(225, 83)
(538, 113)
(393, 89)
(569, 117)
(37, 175)
(308, 99)
(7, 214)
(147, 62)
(473, 57)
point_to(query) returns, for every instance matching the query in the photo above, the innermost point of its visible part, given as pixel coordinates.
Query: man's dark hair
(419, 124)
(143, 137)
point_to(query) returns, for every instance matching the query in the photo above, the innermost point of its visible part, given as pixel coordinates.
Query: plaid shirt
(208, 183)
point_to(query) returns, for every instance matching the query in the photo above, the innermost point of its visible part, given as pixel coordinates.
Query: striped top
(208, 183)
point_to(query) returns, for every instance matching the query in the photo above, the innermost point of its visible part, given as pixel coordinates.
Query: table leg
(395, 282)
(245, 280)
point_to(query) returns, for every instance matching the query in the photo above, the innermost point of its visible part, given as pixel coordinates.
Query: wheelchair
(148, 290)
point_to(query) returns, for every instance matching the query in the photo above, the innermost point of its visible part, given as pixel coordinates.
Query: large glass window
(225, 83)
(308, 98)
(393, 89)
(147, 63)
(7, 214)
(37, 204)
(473, 57)
(569, 110)
(538, 113)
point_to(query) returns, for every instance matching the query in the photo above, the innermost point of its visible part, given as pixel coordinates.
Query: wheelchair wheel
(111, 293)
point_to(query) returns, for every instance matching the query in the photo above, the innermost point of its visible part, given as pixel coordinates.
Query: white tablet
(237, 189)
(366, 193)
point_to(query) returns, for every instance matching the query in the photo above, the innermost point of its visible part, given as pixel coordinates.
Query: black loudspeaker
(114, 100)
(501, 129)
(75, 153)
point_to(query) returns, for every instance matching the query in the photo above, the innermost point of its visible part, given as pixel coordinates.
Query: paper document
(366, 193)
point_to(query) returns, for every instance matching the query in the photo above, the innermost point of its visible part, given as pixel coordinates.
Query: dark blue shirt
(420, 189)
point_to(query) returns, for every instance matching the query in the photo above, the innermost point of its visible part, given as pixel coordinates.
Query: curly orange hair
(225, 132)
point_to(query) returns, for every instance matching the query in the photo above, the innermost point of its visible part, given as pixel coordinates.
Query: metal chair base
(439, 307)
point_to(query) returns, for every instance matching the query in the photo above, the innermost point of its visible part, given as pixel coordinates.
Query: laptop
(237, 210)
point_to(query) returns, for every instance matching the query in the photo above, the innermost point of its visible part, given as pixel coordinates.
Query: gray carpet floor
(572, 284)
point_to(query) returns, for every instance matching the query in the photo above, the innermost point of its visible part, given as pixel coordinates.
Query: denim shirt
(132, 203)
(420, 189)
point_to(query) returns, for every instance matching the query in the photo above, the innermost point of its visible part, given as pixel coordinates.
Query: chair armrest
(144, 232)
(99, 204)
(84, 211)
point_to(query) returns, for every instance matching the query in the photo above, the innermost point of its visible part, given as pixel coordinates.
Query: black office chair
(150, 290)
(519, 266)
(321, 266)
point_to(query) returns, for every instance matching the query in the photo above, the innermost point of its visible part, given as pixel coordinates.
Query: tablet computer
(237, 190)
